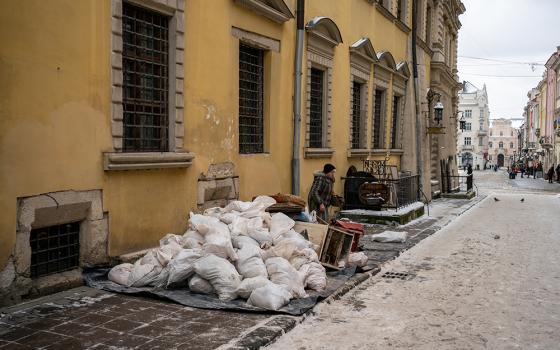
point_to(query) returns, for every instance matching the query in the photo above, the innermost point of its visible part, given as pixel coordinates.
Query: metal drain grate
(398, 275)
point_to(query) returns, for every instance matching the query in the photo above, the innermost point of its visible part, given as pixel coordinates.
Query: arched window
(490, 144)
(501, 145)
(511, 145)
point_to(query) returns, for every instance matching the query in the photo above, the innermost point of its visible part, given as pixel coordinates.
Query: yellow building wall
(55, 109)
(355, 20)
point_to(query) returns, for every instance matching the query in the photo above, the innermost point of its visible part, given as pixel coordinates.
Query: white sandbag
(221, 274)
(214, 212)
(285, 249)
(282, 273)
(266, 218)
(390, 237)
(143, 275)
(248, 285)
(216, 235)
(256, 231)
(199, 285)
(170, 237)
(166, 252)
(315, 276)
(150, 258)
(192, 240)
(219, 245)
(182, 266)
(120, 273)
(263, 202)
(238, 226)
(357, 259)
(240, 241)
(270, 297)
(280, 224)
(297, 238)
(250, 263)
(227, 218)
(302, 257)
(238, 206)
(201, 223)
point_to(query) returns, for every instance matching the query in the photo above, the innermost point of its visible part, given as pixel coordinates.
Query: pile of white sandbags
(237, 251)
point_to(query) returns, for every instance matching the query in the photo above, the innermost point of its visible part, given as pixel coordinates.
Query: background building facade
(472, 140)
(502, 144)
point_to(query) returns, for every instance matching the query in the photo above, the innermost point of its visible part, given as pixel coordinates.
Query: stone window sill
(146, 160)
(383, 151)
(318, 152)
(361, 152)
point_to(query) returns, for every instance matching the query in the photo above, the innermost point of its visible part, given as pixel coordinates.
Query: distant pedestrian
(469, 169)
(550, 174)
(522, 170)
(558, 172)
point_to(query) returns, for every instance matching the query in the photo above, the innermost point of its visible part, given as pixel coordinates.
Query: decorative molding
(324, 29)
(257, 40)
(358, 153)
(146, 160)
(318, 152)
(275, 10)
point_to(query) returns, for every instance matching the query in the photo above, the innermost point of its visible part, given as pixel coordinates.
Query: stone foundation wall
(51, 209)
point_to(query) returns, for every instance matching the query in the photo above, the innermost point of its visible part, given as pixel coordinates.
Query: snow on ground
(488, 280)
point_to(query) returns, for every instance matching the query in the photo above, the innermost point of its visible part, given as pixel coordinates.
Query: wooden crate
(336, 247)
(315, 232)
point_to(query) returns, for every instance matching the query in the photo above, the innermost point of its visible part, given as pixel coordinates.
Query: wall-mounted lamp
(438, 107)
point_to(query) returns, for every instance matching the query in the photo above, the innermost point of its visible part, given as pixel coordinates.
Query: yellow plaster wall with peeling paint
(55, 109)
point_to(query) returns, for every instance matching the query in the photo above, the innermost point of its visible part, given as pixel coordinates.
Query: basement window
(55, 249)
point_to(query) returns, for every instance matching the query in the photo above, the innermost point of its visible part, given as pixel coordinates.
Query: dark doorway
(500, 160)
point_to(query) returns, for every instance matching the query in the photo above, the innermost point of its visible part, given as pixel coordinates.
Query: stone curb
(265, 334)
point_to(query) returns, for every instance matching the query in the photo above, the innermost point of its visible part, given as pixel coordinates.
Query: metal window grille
(251, 98)
(54, 249)
(316, 93)
(356, 115)
(145, 80)
(394, 140)
(377, 119)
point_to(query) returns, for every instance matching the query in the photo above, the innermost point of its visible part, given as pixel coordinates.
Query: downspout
(416, 94)
(297, 96)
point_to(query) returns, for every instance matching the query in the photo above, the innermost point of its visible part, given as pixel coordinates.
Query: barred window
(468, 126)
(357, 112)
(316, 108)
(396, 105)
(467, 141)
(251, 99)
(145, 80)
(468, 113)
(377, 119)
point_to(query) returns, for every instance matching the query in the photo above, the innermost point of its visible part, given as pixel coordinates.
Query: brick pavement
(85, 318)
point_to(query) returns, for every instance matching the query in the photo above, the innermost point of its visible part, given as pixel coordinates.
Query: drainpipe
(297, 96)
(416, 94)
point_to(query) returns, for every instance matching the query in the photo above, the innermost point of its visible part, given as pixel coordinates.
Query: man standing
(321, 193)
(558, 172)
(550, 174)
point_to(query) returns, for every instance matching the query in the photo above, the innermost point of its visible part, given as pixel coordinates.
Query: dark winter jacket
(321, 191)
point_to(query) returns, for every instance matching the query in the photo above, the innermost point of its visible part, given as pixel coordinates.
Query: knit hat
(328, 168)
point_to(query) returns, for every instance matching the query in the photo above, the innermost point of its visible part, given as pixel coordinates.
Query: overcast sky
(507, 30)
